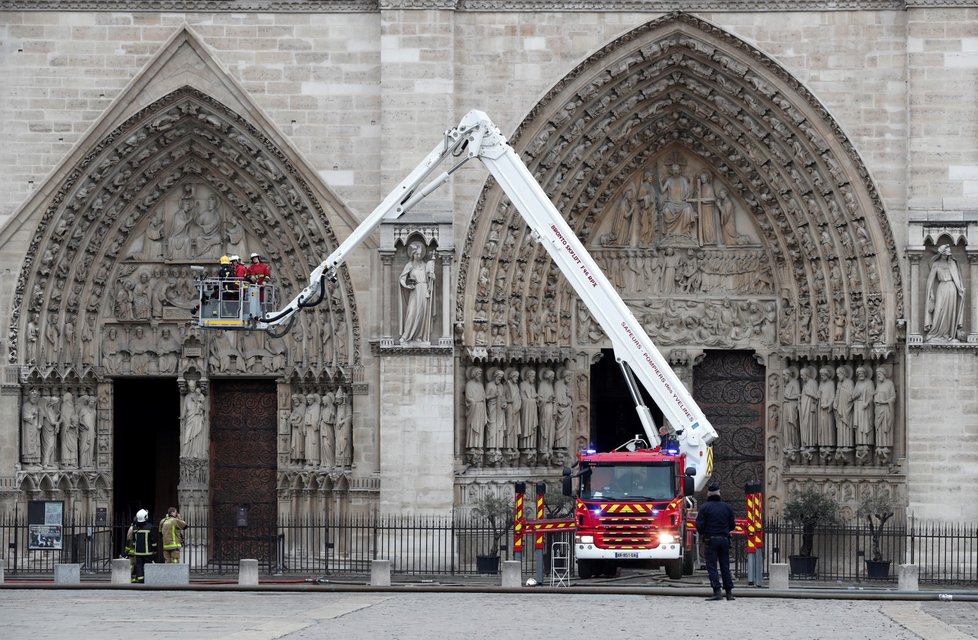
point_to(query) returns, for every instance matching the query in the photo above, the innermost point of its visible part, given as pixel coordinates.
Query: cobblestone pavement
(407, 614)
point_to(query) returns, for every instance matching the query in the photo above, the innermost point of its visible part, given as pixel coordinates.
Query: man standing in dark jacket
(715, 522)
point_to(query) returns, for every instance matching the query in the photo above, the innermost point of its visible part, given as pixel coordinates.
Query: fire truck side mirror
(689, 486)
(566, 483)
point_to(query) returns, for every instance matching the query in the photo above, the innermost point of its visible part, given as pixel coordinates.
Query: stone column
(913, 331)
(387, 278)
(972, 283)
(446, 297)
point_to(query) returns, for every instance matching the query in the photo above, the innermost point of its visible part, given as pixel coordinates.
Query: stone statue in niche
(168, 350)
(514, 410)
(327, 431)
(625, 217)
(142, 349)
(209, 221)
(87, 420)
(862, 413)
(826, 414)
(115, 350)
(728, 221)
(546, 405)
(311, 418)
(195, 443)
(529, 418)
(416, 281)
(476, 415)
(495, 416)
(707, 214)
(884, 401)
(808, 412)
(944, 314)
(297, 434)
(679, 216)
(69, 432)
(50, 405)
(844, 438)
(183, 229)
(30, 430)
(344, 428)
(564, 400)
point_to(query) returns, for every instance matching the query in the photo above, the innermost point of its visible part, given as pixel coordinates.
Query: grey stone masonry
(380, 573)
(512, 575)
(778, 578)
(121, 571)
(908, 577)
(248, 572)
(67, 574)
(167, 574)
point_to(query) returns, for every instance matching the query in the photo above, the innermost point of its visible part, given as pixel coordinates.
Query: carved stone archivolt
(678, 141)
(728, 208)
(184, 181)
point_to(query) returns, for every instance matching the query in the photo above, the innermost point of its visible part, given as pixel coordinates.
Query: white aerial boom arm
(476, 137)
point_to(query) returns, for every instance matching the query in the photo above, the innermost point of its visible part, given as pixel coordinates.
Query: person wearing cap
(715, 523)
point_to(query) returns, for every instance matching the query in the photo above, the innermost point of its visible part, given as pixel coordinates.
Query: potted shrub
(809, 508)
(497, 513)
(877, 510)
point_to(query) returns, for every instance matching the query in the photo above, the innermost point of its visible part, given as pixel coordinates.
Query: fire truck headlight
(585, 539)
(666, 538)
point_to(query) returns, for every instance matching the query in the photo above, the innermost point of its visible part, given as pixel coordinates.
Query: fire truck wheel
(585, 569)
(674, 569)
(688, 564)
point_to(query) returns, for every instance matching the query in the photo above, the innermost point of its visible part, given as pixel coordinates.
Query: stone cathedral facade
(784, 194)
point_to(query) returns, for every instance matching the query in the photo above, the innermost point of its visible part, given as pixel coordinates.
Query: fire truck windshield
(629, 482)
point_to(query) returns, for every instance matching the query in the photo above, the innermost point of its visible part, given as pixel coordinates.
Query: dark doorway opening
(614, 420)
(146, 447)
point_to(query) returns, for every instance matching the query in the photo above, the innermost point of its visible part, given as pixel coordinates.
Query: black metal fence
(432, 546)
(946, 553)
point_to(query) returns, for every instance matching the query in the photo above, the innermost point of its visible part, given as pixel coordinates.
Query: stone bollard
(168, 575)
(778, 577)
(512, 574)
(1, 573)
(67, 574)
(909, 577)
(121, 571)
(380, 573)
(248, 572)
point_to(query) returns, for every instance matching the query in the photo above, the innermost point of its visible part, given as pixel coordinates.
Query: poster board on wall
(45, 524)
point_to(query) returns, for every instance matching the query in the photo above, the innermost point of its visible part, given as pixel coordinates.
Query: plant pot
(878, 569)
(487, 564)
(803, 566)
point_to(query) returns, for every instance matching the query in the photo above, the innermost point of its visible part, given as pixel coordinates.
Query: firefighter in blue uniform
(715, 522)
(141, 538)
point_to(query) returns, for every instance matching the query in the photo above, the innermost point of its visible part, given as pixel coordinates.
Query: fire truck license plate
(626, 554)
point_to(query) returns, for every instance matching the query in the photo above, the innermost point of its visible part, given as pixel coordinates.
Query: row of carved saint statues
(518, 417)
(838, 414)
(321, 429)
(58, 428)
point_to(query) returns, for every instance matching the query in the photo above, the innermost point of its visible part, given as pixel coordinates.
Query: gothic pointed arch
(183, 168)
(680, 92)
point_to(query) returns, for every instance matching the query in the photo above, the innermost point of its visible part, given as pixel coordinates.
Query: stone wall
(363, 95)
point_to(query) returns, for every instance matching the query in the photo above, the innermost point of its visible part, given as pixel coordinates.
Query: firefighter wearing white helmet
(141, 540)
(258, 271)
